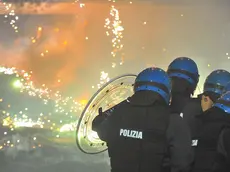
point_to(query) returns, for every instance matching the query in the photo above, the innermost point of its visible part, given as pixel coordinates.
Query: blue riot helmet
(156, 80)
(216, 81)
(184, 68)
(224, 102)
(227, 87)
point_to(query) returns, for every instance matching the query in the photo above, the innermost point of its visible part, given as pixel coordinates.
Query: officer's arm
(223, 151)
(221, 145)
(102, 123)
(227, 142)
(179, 144)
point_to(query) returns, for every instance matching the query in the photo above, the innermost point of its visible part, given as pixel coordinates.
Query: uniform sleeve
(179, 139)
(190, 113)
(102, 124)
(226, 139)
(221, 146)
(224, 143)
(223, 151)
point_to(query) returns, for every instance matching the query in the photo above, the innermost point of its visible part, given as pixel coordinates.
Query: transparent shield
(112, 93)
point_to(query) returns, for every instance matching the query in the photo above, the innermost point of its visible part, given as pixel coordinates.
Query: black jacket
(188, 108)
(162, 134)
(225, 142)
(222, 161)
(179, 101)
(190, 113)
(211, 142)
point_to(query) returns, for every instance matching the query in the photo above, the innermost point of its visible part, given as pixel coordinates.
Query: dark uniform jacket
(222, 162)
(188, 108)
(211, 141)
(190, 113)
(140, 131)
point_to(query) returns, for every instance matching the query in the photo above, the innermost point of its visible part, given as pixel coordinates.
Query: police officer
(140, 131)
(214, 86)
(184, 74)
(222, 163)
(213, 146)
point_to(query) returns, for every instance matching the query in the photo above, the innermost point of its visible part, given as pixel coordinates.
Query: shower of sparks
(67, 107)
(10, 15)
(114, 30)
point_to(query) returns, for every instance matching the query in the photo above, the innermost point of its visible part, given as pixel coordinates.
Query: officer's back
(222, 163)
(140, 130)
(184, 74)
(139, 133)
(211, 153)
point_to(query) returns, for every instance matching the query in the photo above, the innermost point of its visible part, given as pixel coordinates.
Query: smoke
(12, 56)
(50, 156)
(53, 53)
(170, 31)
(61, 55)
(57, 54)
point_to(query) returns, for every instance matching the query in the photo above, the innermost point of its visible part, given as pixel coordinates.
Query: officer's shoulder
(120, 105)
(194, 101)
(176, 123)
(123, 103)
(175, 117)
(194, 104)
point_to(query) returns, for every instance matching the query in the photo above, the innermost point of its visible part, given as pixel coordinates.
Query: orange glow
(83, 101)
(57, 30)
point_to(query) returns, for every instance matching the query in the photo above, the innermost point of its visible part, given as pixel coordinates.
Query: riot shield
(112, 93)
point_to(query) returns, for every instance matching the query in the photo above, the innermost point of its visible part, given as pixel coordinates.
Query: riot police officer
(140, 131)
(184, 74)
(212, 151)
(214, 86)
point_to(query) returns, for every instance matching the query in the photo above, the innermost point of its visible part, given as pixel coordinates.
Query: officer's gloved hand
(98, 119)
